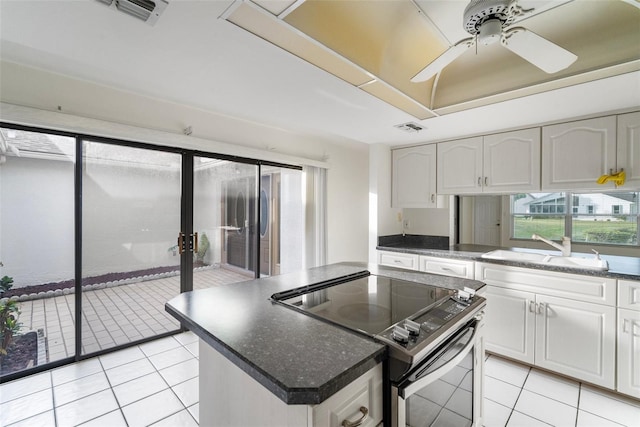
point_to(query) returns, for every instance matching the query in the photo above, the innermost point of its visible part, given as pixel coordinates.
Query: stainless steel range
(433, 335)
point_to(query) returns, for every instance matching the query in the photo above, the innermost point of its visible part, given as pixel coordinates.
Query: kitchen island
(299, 360)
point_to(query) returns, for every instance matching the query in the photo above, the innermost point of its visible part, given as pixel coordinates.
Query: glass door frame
(186, 227)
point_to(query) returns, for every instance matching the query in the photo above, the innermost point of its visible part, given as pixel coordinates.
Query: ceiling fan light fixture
(478, 12)
(490, 31)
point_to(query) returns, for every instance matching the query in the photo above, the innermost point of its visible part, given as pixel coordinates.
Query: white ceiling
(194, 58)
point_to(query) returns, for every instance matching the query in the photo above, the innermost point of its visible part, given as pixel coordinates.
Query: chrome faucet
(565, 247)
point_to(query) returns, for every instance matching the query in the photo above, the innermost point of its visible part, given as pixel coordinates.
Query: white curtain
(315, 199)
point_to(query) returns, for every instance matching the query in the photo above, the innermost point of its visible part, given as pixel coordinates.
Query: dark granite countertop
(620, 267)
(300, 359)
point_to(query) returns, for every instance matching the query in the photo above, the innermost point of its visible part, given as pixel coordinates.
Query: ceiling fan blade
(443, 60)
(542, 53)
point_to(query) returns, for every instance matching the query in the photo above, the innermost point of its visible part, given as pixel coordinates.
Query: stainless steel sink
(594, 263)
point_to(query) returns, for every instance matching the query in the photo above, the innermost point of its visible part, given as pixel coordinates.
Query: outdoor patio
(112, 315)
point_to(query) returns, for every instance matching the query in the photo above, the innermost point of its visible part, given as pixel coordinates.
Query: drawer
(364, 392)
(447, 267)
(629, 294)
(599, 290)
(397, 259)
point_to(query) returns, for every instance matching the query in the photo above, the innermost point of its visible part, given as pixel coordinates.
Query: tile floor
(519, 396)
(113, 315)
(156, 383)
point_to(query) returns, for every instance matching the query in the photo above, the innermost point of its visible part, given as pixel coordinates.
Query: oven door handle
(422, 381)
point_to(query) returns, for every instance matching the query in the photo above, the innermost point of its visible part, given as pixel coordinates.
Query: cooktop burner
(368, 304)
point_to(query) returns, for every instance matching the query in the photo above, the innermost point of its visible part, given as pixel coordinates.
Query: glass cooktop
(366, 304)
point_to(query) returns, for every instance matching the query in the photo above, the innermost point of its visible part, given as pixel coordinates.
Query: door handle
(180, 243)
(195, 242)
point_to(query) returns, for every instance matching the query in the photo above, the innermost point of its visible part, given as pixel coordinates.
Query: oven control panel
(411, 333)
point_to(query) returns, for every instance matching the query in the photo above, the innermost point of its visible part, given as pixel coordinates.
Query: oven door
(446, 388)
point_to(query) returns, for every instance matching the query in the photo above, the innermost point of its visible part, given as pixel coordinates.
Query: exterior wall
(37, 220)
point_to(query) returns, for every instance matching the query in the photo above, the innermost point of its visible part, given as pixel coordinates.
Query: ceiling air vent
(409, 127)
(147, 10)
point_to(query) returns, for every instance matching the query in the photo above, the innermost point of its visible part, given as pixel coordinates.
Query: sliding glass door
(131, 207)
(108, 231)
(37, 302)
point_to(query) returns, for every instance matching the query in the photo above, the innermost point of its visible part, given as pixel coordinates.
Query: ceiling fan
(488, 21)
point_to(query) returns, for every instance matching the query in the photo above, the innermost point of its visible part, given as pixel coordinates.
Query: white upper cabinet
(460, 166)
(414, 177)
(512, 161)
(500, 163)
(576, 154)
(628, 156)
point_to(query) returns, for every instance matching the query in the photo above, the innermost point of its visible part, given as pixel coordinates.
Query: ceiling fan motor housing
(479, 11)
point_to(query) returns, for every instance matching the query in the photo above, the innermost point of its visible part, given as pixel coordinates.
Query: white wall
(347, 161)
(37, 213)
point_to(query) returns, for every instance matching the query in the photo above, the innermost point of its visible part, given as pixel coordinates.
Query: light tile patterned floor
(156, 383)
(517, 396)
(113, 315)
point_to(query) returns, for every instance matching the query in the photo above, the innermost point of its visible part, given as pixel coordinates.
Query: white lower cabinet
(510, 323)
(398, 259)
(566, 335)
(629, 352)
(629, 337)
(233, 398)
(577, 339)
(447, 266)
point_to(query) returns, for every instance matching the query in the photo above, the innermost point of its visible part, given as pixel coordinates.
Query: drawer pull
(359, 421)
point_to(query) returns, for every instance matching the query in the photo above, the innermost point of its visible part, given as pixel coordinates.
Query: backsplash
(415, 241)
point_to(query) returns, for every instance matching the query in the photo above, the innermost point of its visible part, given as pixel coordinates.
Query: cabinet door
(576, 154)
(512, 161)
(460, 166)
(365, 392)
(629, 352)
(510, 323)
(629, 148)
(414, 177)
(577, 339)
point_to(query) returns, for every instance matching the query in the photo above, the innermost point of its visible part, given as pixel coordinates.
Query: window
(596, 218)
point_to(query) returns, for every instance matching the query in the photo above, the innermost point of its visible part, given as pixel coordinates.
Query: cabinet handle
(359, 421)
(433, 198)
(479, 181)
(625, 322)
(541, 307)
(532, 306)
(486, 181)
